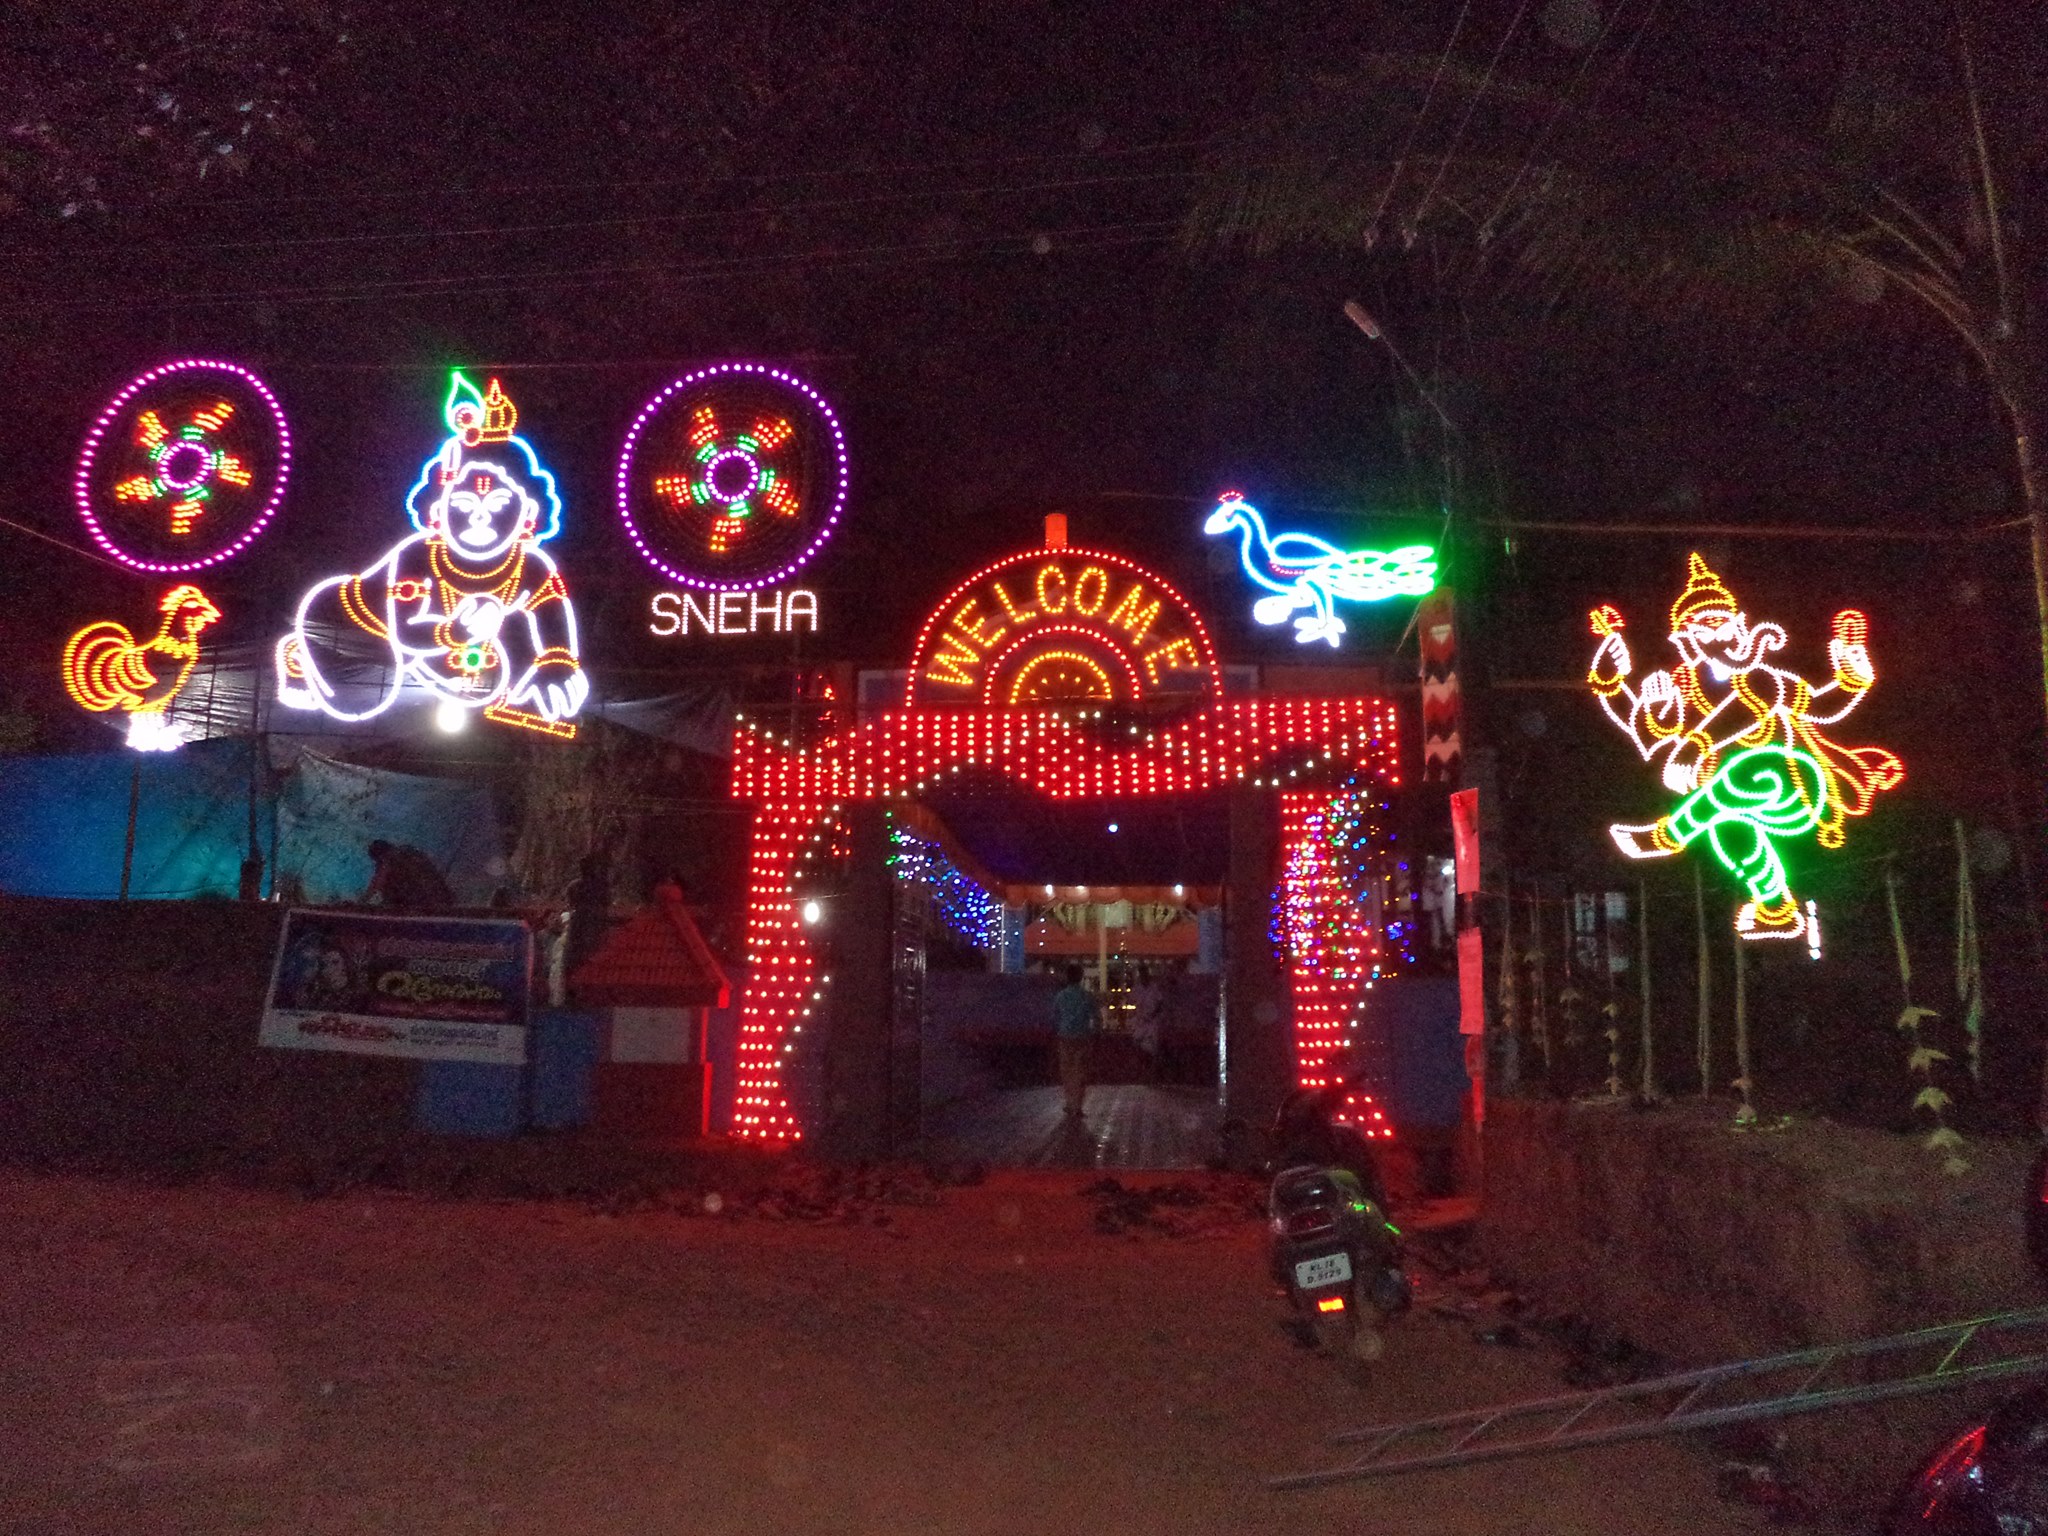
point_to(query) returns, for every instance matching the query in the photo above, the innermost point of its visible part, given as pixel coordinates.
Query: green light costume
(1759, 794)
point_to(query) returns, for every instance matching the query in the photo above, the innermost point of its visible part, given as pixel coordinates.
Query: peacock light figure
(1300, 571)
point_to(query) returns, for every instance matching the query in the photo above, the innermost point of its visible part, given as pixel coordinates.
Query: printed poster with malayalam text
(429, 988)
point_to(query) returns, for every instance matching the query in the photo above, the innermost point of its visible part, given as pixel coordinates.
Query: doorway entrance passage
(1000, 897)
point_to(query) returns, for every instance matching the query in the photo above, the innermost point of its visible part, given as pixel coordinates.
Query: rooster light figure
(107, 668)
(1300, 571)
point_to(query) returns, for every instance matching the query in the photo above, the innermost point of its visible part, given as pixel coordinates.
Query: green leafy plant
(1922, 1058)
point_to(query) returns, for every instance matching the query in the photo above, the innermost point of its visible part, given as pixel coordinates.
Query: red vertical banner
(1465, 839)
(1443, 747)
(1471, 984)
(1471, 948)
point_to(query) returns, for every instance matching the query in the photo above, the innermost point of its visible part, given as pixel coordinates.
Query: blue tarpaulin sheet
(64, 820)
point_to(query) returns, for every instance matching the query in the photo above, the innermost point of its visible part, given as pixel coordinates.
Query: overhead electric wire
(555, 365)
(1083, 238)
(75, 549)
(286, 242)
(704, 179)
(1564, 102)
(1750, 530)
(1620, 65)
(1486, 80)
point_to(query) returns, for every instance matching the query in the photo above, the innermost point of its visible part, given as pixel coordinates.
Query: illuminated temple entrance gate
(1074, 675)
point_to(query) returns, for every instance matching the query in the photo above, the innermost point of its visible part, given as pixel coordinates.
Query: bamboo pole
(134, 806)
(1649, 1089)
(1509, 1001)
(1704, 1040)
(1746, 1115)
(1969, 957)
(1539, 1013)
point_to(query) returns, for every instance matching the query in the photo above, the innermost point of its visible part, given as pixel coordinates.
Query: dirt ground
(203, 1358)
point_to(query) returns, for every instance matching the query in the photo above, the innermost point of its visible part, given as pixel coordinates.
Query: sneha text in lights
(106, 668)
(1061, 625)
(185, 466)
(468, 608)
(1740, 741)
(734, 613)
(1300, 571)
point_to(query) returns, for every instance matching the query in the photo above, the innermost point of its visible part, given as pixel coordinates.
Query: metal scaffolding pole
(1837, 1375)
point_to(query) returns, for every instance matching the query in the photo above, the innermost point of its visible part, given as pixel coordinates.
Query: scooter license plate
(1330, 1269)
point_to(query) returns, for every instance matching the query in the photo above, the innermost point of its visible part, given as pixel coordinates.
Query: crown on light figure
(487, 418)
(1703, 590)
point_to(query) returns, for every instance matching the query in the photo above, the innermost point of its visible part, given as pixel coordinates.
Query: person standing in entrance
(1075, 1018)
(1148, 1018)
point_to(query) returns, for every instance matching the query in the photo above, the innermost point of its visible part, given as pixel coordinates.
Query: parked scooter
(1337, 1257)
(1992, 1478)
(1311, 1127)
(1307, 1131)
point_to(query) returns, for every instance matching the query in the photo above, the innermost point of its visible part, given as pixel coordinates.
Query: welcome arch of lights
(1077, 624)
(1303, 749)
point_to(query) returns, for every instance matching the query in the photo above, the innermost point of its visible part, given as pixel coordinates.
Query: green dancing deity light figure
(1742, 742)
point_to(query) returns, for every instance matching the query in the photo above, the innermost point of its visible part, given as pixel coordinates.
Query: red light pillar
(783, 978)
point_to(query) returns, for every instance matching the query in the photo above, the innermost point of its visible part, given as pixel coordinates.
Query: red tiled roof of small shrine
(655, 959)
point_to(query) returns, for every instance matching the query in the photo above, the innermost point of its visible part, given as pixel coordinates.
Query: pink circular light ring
(748, 467)
(751, 581)
(89, 455)
(200, 470)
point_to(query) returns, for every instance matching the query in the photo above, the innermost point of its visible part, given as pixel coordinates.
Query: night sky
(964, 224)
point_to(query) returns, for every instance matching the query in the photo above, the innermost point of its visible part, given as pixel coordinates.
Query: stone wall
(1706, 1244)
(1709, 1243)
(128, 1036)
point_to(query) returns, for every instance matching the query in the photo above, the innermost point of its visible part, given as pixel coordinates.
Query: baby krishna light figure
(469, 607)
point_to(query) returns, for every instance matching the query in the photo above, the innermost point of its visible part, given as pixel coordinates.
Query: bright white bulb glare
(450, 716)
(812, 912)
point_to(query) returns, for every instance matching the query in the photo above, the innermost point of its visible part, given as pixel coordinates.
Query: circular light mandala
(185, 466)
(732, 477)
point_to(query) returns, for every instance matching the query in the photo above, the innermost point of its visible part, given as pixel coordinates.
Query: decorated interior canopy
(1306, 577)
(468, 609)
(732, 477)
(185, 467)
(1060, 626)
(1742, 743)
